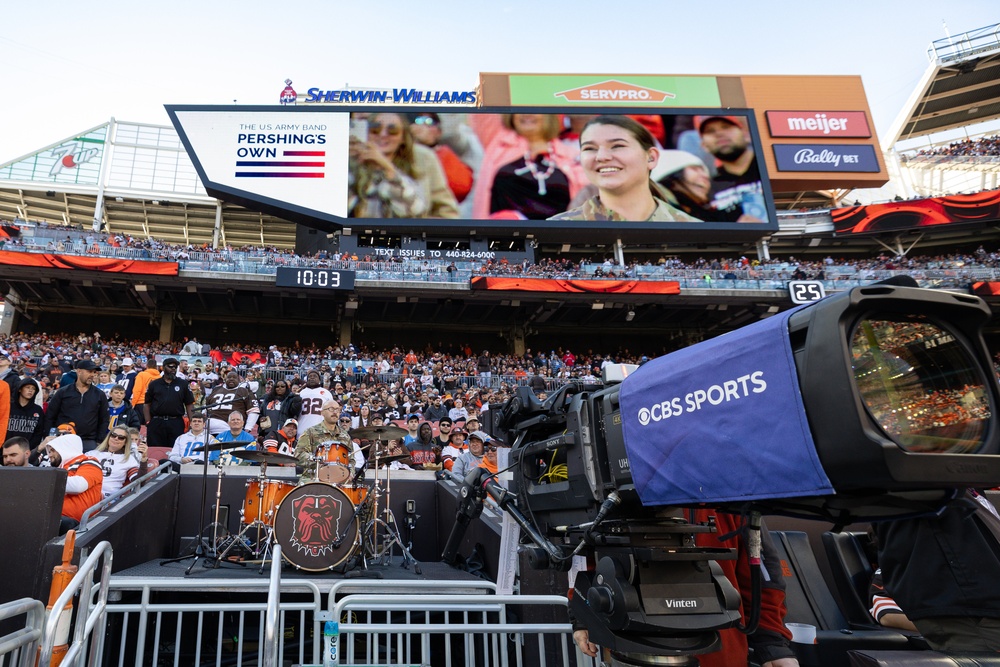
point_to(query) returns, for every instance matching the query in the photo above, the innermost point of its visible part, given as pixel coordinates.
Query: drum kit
(337, 522)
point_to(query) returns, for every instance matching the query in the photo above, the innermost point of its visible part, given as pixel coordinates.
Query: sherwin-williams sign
(656, 91)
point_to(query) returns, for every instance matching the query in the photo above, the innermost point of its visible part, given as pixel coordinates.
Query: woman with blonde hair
(120, 461)
(391, 176)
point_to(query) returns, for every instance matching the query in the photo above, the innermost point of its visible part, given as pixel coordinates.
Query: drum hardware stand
(257, 523)
(392, 536)
(200, 553)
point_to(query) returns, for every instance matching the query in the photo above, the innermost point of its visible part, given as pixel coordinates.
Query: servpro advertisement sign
(581, 90)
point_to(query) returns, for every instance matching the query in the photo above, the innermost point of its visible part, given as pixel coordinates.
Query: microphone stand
(199, 550)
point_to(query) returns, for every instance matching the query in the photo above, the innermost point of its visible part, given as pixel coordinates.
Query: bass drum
(316, 527)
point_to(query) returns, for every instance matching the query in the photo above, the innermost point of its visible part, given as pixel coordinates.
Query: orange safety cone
(61, 576)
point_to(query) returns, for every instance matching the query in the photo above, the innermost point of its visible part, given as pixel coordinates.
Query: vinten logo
(679, 603)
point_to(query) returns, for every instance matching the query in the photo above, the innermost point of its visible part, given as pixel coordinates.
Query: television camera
(872, 404)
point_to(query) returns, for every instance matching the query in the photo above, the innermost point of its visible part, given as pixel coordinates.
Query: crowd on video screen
(529, 166)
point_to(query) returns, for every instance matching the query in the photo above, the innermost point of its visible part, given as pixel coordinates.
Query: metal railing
(447, 623)
(87, 639)
(20, 647)
(272, 619)
(451, 630)
(972, 42)
(166, 631)
(766, 277)
(469, 381)
(89, 513)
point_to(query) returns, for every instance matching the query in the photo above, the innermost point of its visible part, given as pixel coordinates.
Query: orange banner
(986, 288)
(576, 286)
(108, 264)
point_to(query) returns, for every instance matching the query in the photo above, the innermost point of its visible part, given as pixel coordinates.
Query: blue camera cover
(721, 421)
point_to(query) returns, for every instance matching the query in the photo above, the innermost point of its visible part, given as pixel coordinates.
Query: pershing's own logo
(717, 394)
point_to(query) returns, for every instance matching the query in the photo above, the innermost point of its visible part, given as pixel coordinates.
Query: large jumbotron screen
(485, 169)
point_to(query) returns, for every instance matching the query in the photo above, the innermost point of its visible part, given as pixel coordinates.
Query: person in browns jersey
(314, 397)
(230, 397)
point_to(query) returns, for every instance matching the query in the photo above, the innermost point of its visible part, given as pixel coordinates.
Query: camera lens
(920, 384)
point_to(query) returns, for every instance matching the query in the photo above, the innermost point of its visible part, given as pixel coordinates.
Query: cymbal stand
(200, 553)
(256, 523)
(368, 546)
(392, 536)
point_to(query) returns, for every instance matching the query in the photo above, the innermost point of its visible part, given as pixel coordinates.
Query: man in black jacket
(26, 418)
(83, 404)
(944, 573)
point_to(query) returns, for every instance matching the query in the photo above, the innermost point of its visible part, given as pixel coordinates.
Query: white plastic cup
(802, 633)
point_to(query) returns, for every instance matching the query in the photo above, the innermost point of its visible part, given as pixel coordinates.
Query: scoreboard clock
(314, 278)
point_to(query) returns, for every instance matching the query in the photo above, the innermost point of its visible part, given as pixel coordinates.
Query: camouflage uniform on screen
(593, 209)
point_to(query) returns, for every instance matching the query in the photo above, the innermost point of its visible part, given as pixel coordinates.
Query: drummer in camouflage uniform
(328, 432)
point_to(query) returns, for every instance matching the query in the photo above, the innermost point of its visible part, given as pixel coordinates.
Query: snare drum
(334, 463)
(316, 527)
(260, 506)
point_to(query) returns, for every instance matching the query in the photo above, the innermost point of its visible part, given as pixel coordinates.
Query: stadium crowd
(82, 403)
(391, 383)
(778, 267)
(981, 147)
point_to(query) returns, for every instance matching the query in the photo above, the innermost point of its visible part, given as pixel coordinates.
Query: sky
(68, 66)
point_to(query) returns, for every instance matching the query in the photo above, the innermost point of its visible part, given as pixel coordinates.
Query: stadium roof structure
(961, 87)
(132, 178)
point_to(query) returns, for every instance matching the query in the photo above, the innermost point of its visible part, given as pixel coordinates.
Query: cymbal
(388, 432)
(272, 458)
(216, 446)
(390, 459)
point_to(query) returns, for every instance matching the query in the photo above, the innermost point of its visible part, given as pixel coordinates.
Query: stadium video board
(933, 212)
(671, 175)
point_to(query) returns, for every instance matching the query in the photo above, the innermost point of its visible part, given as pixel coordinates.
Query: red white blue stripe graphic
(275, 167)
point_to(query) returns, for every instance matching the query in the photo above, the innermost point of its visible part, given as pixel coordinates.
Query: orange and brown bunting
(575, 286)
(106, 264)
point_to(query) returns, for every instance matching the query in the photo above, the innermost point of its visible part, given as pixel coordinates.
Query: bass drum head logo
(316, 527)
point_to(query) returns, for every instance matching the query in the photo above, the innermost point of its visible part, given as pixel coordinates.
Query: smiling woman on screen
(617, 155)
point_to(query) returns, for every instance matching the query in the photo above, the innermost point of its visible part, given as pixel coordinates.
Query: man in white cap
(126, 376)
(84, 478)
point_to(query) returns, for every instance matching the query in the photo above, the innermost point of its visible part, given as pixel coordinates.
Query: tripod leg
(392, 531)
(237, 540)
(267, 548)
